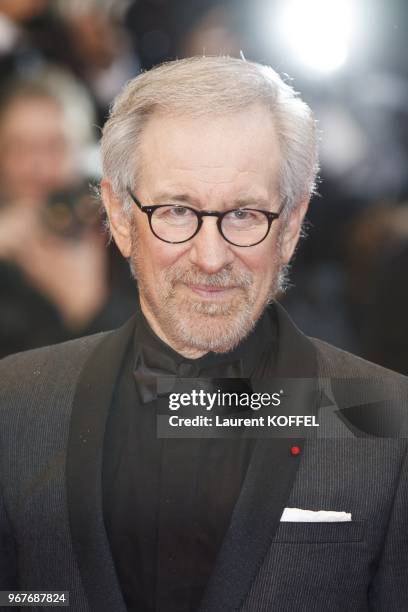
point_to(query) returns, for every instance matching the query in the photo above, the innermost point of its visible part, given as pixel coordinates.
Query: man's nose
(209, 251)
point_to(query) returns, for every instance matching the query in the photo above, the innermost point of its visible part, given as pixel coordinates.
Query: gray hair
(199, 86)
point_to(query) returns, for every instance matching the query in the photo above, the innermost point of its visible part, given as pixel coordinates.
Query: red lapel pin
(295, 451)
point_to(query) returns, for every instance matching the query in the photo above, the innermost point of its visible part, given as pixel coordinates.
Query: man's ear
(118, 221)
(291, 231)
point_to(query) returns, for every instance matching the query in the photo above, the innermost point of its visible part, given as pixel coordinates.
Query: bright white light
(318, 31)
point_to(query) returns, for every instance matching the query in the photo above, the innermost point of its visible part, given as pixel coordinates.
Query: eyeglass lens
(242, 227)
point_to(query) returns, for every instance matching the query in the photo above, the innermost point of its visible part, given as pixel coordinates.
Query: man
(209, 164)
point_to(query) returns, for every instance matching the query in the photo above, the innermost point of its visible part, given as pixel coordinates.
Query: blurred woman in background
(55, 270)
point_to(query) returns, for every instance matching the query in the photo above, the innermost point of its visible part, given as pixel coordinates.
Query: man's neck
(186, 351)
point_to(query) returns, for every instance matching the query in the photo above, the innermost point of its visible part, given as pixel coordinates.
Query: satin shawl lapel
(84, 470)
(266, 488)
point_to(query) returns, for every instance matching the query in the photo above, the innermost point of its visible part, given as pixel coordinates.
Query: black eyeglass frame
(149, 210)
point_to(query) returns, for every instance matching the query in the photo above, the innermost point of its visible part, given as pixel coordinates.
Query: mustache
(225, 278)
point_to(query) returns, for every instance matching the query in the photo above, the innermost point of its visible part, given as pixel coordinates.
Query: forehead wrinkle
(235, 173)
(180, 190)
(206, 173)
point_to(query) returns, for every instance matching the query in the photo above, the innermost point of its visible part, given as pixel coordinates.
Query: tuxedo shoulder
(371, 398)
(50, 362)
(335, 362)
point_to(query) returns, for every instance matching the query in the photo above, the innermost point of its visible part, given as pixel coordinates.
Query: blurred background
(61, 64)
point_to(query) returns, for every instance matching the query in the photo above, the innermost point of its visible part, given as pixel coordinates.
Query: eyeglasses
(175, 223)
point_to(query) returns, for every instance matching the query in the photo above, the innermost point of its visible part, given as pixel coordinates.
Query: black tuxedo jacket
(53, 407)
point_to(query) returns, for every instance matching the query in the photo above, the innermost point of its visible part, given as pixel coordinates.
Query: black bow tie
(153, 365)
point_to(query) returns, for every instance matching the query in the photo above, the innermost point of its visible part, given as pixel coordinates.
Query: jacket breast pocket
(314, 533)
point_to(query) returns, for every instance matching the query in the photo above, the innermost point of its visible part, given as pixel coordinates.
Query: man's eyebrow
(239, 202)
(167, 196)
(252, 202)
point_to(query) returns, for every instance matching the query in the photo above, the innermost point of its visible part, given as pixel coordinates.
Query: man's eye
(241, 214)
(244, 218)
(179, 211)
(173, 212)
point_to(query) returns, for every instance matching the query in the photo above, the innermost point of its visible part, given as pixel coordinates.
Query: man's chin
(211, 329)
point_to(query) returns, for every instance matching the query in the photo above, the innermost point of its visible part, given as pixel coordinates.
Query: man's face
(206, 294)
(34, 159)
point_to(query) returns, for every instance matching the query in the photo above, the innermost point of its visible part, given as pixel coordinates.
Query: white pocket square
(297, 515)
